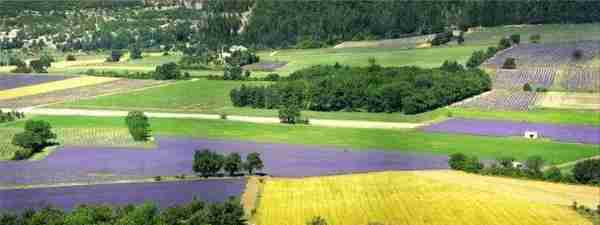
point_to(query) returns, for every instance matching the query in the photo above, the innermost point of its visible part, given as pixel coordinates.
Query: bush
(232, 72)
(534, 165)
(577, 54)
(38, 66)
(21, 68)
(157, 178)
(472, 165)
(115, 56)
(476, 59)
(272, 77)
(457, 161)
(504, 44)
(138, 125)
(587, 171)
(509, 63)
(223, 116)
(553, 174)
(441, 38)
(527, 87)
(22, 154)
(452, 66)
(135, 52)
(168, 71)
(317, 220)
(289, 113)
(71, 58)
(515, 38)
(536, 38)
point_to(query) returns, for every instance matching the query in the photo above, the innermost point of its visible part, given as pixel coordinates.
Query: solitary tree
(138, 125)
(509, 63)
(168, 71)
(233, 163)
(253, 162)
(289, 113)
(135, 52)
(504, 44)
(515, 38)
(536, 38)
(36, 136)
(457, 161)
(527, 87)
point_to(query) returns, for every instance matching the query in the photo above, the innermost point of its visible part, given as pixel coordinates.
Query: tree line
(210, 163)
(196, 212)
(373, 89)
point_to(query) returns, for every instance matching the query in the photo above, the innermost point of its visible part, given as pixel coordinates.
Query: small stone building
(531, 134)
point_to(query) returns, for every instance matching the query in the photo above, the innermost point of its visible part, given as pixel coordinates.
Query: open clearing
(570, 100)
(416, 198)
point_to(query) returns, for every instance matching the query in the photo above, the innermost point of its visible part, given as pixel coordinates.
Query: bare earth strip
(570, 100)
(112, 87)
(268, 120)
(534, 191)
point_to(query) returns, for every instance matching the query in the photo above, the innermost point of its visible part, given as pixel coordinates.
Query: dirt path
(567, 164)
(250, 119)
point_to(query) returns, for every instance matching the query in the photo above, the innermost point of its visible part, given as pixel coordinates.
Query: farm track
(250, 119)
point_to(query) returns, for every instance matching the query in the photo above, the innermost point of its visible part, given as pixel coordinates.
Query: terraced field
(53, 86)
(548, 54)
(501, 100)
(582, 79)
(416, 198)
(570, 100)
(515, 79)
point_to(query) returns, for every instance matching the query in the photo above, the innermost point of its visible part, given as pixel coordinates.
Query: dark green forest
(374, 89)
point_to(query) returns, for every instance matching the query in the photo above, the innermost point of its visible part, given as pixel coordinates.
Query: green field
(360, 139)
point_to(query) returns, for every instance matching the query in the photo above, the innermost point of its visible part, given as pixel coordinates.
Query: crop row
(515, 79)
(550, 54)
(502, 100)
(579, 79)
(15, 81)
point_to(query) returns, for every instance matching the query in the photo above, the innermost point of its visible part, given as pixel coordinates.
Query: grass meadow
(408, 198)
(358, 139)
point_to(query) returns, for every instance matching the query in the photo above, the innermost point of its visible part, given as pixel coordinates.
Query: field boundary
(250, 119)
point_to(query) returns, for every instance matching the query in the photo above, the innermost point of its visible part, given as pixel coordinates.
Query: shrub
(115, 56)
(38, 66)
(289, 113)
(509, 63)
(586, 171)
(441, 38)
(504, 44)
(515, 38)
(232, 72)
(157, 178)
(476, 59)
(577, 54)
(535, 38)
(527, 87)
(535, 164)
(272, 77)
(460, 39)
(553, 174)
(21, 68)
(135, 52)
(457, 161)
(223, 116)
(168, 71)
(506, 162)
(71, 58)
(452, 66)
(472, 165)
(317, 220)
(22, 154)
(138, 125)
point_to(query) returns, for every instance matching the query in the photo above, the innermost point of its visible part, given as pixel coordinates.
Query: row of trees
(374, 89)
(480, 56)
(584, 172)
(196, 212)
(10, 116)
(209, 163)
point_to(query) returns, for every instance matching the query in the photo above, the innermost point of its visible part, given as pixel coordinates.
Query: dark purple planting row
(173, 156)
(163, 194)
(561, 133)
(15, 81)
(550, 54)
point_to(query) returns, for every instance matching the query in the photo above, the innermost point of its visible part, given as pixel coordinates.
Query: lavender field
(15, 81)
(502, 100)
(560, 133)
(164, 194)
(550, 54)
(173, 156)
(515, 79)
(580, 79)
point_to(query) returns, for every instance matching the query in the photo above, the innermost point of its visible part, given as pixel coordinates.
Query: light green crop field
(212, 96)
(359, 139)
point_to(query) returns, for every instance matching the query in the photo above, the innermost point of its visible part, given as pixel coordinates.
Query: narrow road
(250, 119)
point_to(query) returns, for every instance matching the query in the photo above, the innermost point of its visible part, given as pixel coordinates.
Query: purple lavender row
(15, 81)
(174, 156)
(164, 194)
(561, 133)
(549, 54)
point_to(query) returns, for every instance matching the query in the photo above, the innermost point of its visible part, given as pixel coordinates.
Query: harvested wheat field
(417, 198)
(53, 86)
(570, 100)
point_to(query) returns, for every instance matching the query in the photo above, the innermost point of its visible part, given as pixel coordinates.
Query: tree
(207, 163)
(135, 52)
(535, 38)
(70, 58)
(232, 72)
(534, 165)
(472, 165)
(38, 66)
(253, 163)
(515, 38)
(168, 71)
(37, 135)
(139, 126)
(233, 163)
(460, 39)
(553, 174)
(452, 66)
(527, 87)
(509, 63)
(506, 162)
(504, 44)
(457, 161)
(476, 59)
(587, 171)
(317, 220)
(289, 113)
(115, 56)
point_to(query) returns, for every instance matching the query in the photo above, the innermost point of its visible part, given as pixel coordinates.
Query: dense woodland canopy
(274, 23)
(374, 89)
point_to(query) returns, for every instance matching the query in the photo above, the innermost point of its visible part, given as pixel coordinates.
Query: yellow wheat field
(400, 198)
(53, 86)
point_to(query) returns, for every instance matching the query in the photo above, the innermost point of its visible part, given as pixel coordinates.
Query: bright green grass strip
(360, 139)
(559, 116)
